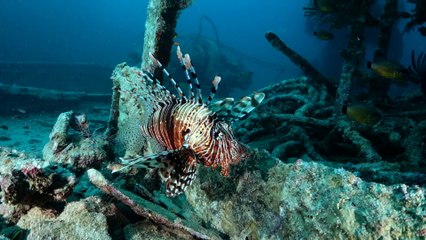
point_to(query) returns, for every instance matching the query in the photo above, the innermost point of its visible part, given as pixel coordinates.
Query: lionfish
(189, 129)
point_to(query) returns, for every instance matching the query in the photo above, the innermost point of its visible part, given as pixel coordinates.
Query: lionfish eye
(216, 134)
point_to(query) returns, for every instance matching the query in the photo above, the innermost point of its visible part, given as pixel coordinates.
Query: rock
(146, 230)
(26, 182)
(80, 150)
(307, 200)
(79, 220)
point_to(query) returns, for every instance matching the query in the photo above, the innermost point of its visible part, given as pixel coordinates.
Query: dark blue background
(105, 32)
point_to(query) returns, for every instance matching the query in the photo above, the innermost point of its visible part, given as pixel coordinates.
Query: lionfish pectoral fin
(149, 162)
(179, 172)
(179, 180)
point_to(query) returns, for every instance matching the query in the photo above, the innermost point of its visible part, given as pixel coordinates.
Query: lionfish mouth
(191, 129)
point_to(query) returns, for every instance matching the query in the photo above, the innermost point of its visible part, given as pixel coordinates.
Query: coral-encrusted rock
(27, 182)
(80, 150)
(146, 230)
(79, 220)
(307, 200)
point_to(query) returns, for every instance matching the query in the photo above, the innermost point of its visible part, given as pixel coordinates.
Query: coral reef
(308, 125)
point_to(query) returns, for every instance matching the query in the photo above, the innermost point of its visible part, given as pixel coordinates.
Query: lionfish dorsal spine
(215, 84)
(193, 76)
(179, 54)
(156, 87)
(158, 64)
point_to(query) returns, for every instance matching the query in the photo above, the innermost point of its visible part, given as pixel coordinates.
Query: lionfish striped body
(189, 130)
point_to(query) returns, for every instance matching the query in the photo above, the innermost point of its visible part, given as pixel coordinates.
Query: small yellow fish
(363, 114)
(325, 6)
(388, 69)
(324, 35)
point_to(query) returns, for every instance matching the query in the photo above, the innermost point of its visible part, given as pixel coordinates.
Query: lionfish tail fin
(230, 110)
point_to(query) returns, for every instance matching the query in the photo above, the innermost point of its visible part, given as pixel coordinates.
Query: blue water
(105, 32)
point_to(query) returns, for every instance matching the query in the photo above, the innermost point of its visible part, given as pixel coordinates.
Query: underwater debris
(37, 100)
(300, 61)
(156, 213)
(192, 131)
(386, 27)
(414, 145)
(298, 120)
(221, 59)
(160, 30)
